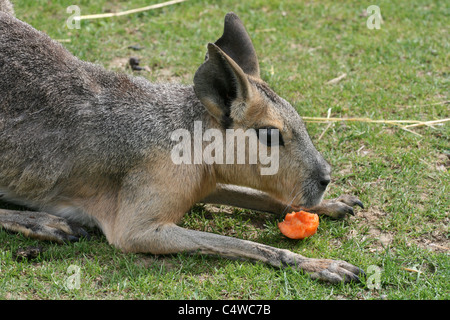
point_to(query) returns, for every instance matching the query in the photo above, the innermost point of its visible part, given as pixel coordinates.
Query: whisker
(304, 189)
(290, 203)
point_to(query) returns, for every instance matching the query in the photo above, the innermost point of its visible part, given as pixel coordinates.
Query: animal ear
(218, 83)
(236, 43)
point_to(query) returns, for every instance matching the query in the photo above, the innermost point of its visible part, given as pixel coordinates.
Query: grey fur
(75, 117)
(6, 7)
(93, 146)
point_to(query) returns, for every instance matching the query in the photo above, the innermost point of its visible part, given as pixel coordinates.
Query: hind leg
(41, 225)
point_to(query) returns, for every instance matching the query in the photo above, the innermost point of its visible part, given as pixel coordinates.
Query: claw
(339, 272)
(361, 272)
(84, 234)
(80, 233)
(359, 203)
(351, 211)
(71, 238)
(352, 277)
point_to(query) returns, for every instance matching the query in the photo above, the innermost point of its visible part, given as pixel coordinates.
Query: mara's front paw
(337, 208)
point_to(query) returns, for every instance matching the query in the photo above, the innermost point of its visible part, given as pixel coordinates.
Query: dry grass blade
(329, 124)
(122, 13)
(427, 123)
(336, 80)
(402, 124)
(411, 270)
(322, 119)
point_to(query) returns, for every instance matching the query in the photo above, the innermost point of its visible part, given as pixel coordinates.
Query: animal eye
(270, 136)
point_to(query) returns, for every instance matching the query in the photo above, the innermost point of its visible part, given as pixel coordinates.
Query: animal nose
(324, 182)
(323, 174)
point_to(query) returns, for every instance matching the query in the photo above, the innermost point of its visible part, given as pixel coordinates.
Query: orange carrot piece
(299, 225)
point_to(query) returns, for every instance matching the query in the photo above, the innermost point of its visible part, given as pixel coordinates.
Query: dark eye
(270, 136)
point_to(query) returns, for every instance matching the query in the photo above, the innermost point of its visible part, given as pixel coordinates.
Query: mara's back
(62, 117)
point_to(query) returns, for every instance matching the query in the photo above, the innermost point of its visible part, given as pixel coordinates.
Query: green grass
(398, 72)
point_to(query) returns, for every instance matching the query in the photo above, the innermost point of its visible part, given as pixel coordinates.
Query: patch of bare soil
(436, 240)
(118, 64)
(159, 74)
(372, 218)
(167, 75)
(28, 253)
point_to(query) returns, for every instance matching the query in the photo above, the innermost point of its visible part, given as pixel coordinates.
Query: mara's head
(229, 86)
